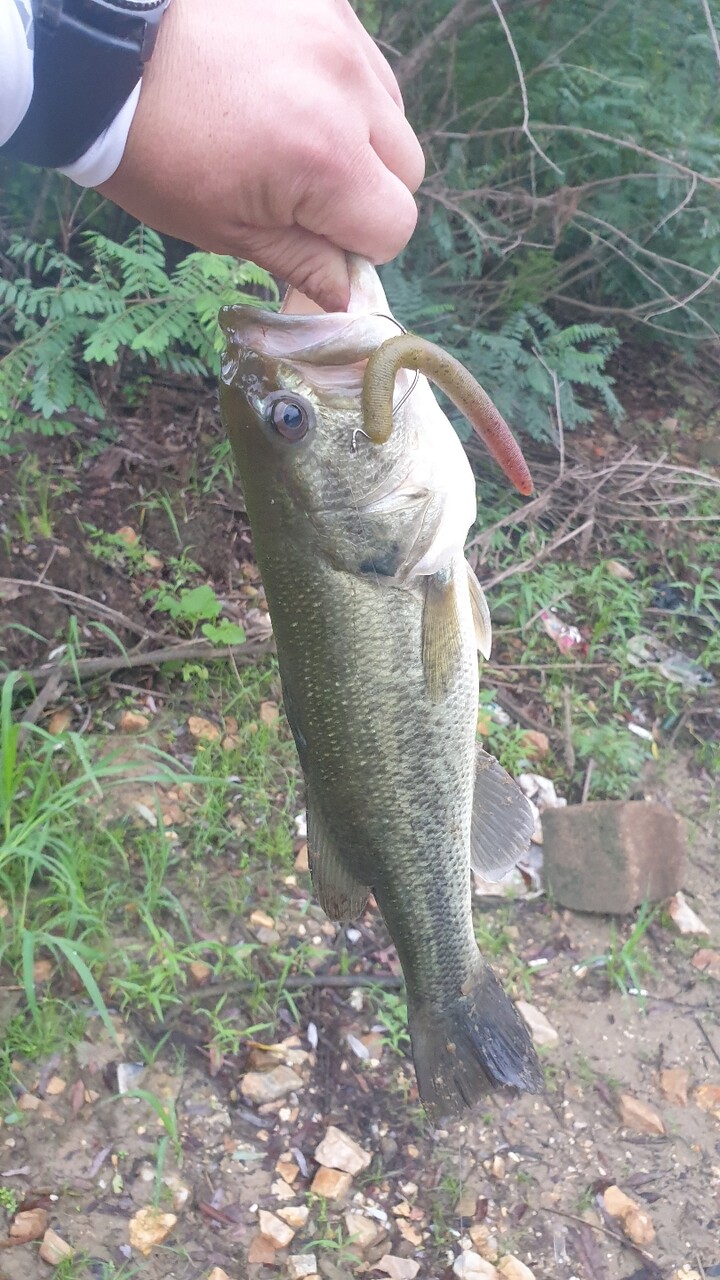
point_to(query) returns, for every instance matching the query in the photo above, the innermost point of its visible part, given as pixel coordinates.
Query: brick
(610, 856)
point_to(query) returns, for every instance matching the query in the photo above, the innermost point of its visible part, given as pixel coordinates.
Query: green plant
(199, 606)
(8, 1201)
(625, 963)
(119, 305)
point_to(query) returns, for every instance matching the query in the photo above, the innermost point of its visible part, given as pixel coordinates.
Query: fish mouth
(328, 349)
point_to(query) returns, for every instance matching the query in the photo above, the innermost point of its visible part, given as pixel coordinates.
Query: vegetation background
(151, 908)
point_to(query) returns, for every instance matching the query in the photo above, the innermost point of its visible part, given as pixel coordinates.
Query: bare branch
(712, 29)
(523, 89)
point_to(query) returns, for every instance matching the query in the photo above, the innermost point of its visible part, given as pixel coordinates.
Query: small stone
(707, 961)
(397, 1268)
(535, 745)
(497, 1168)
(339, 1151)
(708, 1097)
(202, 729)
(217, 1273)
(686, 1273)
(31, 1224)
(274, 1230)
(200, 972)
(28, 1102)
(332, 1184)
(674, 1083)
(513, 1269)
(151, 561)
(127, 535)
(363, 1233)
(609, 856)
(281, 1190)
(638, 1116)
(261, 1252)
(54, 1249)
(296, 1215)
(267, 1086)
(301, 860)
(467, 1203)
(617, 569)
(180, 1192)
(261, 920)
(60, 721)
(132, 722)
(43, 971)
(409, 1233)
(484, 1240)
(288, 1170)
(149, 1228)
(301, 1265)
(55, 1086)
(470, 1266)
(267, 937)
(636, 1223)
(269, 713)
(542, 1031)
(686, 921)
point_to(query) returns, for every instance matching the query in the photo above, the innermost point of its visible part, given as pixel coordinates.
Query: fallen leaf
(535, 744)
(269, 712)
(617, 569)
(203, 729)
(708, 1097)
(127, 535)
(55, 1086)
(149, 1228)
(60, 721)
(43, 970)
(636, 1223)
(637, 1115)
(151, 561)
(674, 1085)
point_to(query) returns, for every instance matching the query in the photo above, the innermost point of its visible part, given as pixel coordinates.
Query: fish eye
(291, 418)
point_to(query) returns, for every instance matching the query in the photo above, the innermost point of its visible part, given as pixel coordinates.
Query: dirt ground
(525, 1178)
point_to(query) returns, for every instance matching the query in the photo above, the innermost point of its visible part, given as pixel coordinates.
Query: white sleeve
(16, 64)
(104, 155)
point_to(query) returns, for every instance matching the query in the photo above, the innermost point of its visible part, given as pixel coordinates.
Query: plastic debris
(566, 636)
(645, 650)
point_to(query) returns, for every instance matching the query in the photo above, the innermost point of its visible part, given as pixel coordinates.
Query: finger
(364, 208)
(396, 144)
(308, 262)
(377, 60)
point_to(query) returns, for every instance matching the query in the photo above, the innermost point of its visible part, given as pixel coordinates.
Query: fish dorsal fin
(481, 615)
(502, 820)
(340, 894)
(441, 633)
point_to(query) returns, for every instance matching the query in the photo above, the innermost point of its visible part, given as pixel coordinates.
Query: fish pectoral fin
(339, 892)
(481, 615)
(441, 633)
(502, 820)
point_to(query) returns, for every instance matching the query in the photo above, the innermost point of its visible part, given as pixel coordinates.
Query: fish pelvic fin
(481, 615)
(441, 633)
(470, 1047)
(502, 819)
(339, 892)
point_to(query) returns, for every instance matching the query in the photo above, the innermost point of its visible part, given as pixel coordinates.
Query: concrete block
(609, 856)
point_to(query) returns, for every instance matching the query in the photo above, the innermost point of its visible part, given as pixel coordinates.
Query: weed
(8, 1201)
(626, 963)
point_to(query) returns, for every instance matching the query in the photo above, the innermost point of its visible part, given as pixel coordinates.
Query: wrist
(89, 58)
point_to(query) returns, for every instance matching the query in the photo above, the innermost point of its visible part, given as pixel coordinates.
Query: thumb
(310, 263)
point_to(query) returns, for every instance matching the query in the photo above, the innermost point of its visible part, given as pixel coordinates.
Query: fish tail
(471, 1046)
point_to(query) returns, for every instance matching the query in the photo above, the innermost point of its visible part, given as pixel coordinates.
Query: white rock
(683, 916)
(542, 1031)
(267, 1086)
(276, 1232)
(511, 1268)
(296, 1215)
(470, 1266)
(301, 1265)
(363, 1232)
(397, 1268)
(339, 1151)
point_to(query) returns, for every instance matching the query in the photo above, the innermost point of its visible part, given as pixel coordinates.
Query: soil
(531, 1171)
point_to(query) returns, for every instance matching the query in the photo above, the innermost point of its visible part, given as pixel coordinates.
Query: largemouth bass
(378, 620)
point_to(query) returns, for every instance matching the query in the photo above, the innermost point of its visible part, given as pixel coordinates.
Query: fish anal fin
(481, 615)
(502, 820)
(441, 633)
(339, 892)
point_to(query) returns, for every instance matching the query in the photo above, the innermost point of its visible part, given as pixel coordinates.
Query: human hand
(273, 132)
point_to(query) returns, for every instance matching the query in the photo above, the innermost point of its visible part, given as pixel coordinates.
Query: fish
(360, 497)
